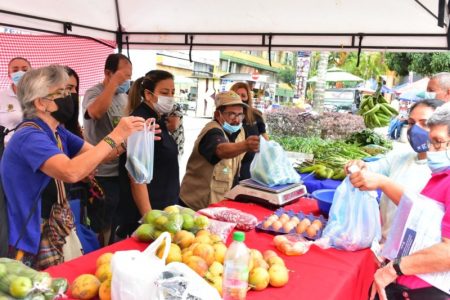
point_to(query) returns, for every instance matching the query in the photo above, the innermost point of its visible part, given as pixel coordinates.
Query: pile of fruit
(205, 254)
(172, 219)
(17, 281)
(88, 286)
(375, 110)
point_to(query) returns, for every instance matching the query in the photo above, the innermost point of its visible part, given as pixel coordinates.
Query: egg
(284, 218)
(267, 224)
(277, 225)
(306, 221)
(273, 218)
(288, 226)
(301, 227)
(311, 231)
(317, 223)
(295, 220)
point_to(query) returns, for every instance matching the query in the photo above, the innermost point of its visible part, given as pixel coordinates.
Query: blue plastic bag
(140, 153)
(354, 218)
(271, 166)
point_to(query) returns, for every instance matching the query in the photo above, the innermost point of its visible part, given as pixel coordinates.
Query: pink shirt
(437, 188)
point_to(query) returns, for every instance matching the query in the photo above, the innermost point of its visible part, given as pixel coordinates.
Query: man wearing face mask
(214, 164)
(406, 168)
(103, 107)
(439, 87)
(10, 109)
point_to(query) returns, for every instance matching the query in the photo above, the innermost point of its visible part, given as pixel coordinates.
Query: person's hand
(359, 163)
(382, 278)
(252, 143)
(126, 126)
(366, 180)
(119, 77)
(150, 122)
(172, 123)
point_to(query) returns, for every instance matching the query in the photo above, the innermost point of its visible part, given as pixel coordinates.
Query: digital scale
(249, 190)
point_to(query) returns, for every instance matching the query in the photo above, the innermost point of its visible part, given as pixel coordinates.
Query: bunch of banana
(376, 111)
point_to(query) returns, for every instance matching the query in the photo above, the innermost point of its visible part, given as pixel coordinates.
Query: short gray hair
(443, 79)
(37, 83)
(441, 116)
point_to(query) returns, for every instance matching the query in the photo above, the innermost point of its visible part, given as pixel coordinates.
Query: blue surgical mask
(231, 128)
(438, 161)
(124, 87)
(16, 76)
(427, 95)
(418, 138)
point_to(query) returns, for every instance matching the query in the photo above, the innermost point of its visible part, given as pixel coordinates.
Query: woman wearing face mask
(398, 277)
(42, 150)
(401, 167)
(151, 96)
(10, 109)
(253, 124)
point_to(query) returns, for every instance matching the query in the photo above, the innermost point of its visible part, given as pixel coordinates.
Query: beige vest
(205, 183)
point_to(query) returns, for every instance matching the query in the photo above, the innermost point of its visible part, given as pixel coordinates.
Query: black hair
(19, 57)
(432, 103)
(72, 124)
(148, 82)
(112, 61)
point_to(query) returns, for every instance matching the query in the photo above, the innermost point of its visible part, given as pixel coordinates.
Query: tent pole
(119, 34)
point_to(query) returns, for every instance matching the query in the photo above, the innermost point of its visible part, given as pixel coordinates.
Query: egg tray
(291, 213)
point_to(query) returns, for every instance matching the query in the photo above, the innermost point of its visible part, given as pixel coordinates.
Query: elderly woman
(397, 277)
(41, 150)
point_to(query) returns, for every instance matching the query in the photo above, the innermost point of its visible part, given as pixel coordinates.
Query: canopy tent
(401, 25)
(414, 87)
(336, 75)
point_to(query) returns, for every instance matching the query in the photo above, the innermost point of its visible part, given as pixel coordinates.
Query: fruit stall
(317, 274)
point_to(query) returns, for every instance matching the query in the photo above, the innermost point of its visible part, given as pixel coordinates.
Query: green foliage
(287, 75)
(398, 62)
(422, 63)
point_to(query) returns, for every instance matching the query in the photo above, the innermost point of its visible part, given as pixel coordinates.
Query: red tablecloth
(319, 274)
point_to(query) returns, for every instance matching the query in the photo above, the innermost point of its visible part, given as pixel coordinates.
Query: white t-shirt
(404, 168)
(10, 110)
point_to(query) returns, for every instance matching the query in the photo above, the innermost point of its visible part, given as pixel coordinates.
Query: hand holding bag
(354, 219)
(140, 153)
(136, 273)
(271, 166)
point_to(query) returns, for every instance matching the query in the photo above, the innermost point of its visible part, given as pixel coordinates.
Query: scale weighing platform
(250, 190)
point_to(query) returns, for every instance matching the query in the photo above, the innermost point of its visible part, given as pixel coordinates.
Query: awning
(401, 25)
(336, 75)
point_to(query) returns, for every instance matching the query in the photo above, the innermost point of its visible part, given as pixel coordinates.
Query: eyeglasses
(58, 94)
(437, 145)
(233, 115)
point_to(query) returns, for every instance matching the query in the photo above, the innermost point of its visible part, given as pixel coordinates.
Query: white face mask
(164, 104)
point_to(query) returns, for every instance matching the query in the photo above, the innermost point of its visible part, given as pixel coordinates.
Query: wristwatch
(396, 265)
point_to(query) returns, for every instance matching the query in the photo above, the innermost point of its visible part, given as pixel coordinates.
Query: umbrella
(336, 74)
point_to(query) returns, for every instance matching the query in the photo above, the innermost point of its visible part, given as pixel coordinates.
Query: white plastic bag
(135, 272)
(179, 282)
(354, 219)
(271, 165)
(140, 152)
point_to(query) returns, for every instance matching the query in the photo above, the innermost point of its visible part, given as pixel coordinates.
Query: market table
(318, 274)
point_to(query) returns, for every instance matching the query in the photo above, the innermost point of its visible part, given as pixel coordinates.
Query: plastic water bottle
(235, 275)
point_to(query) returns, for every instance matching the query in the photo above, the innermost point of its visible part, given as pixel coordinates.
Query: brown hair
(250, 111)
(147, 82)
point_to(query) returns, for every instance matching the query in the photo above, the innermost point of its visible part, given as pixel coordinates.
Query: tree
(320, 83)
(287, 75)
(423, 63)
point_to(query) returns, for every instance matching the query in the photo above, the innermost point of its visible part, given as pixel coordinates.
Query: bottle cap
(239, 236)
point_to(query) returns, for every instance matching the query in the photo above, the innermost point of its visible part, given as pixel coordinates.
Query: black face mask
(65, 109)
